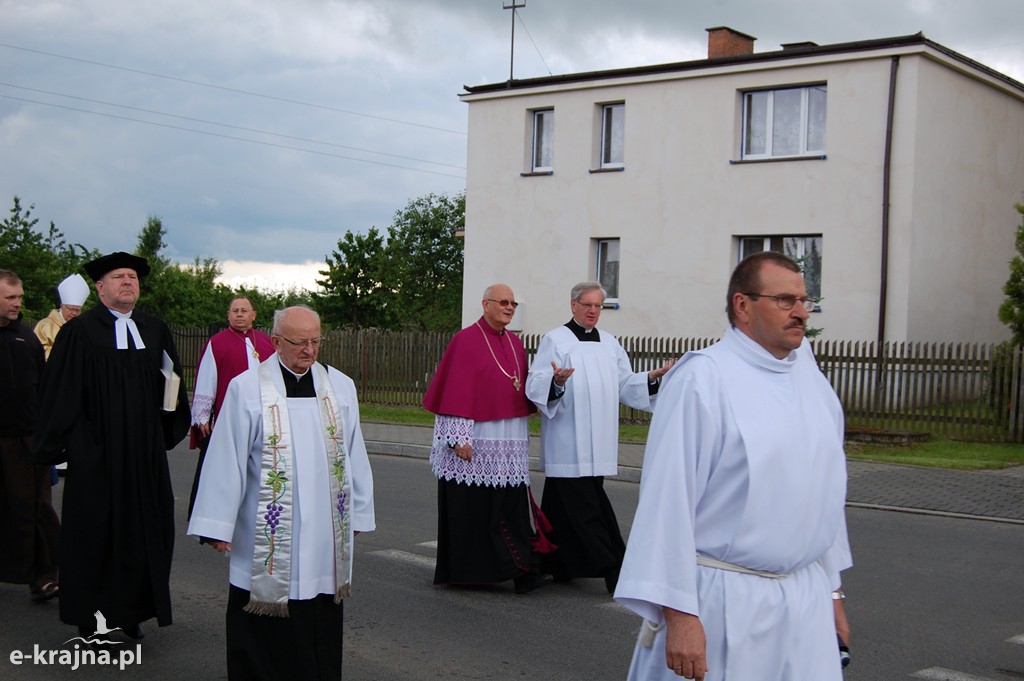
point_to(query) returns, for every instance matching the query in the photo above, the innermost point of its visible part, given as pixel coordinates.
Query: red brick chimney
(726, 42)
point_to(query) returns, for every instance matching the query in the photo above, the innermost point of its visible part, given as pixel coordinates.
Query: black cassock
(102, 406)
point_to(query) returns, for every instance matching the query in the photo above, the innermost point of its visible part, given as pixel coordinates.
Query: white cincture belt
(648, 630)
(732, 567)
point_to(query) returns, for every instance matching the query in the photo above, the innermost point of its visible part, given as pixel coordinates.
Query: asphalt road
(929, 597)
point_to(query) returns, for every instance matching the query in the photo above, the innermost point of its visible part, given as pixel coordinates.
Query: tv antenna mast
(512, 50)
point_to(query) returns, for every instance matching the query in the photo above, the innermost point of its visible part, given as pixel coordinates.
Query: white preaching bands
(122, 326)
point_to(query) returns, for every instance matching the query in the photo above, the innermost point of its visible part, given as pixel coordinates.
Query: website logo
(96, 649)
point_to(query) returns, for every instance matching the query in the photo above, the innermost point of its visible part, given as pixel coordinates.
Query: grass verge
(937, 453)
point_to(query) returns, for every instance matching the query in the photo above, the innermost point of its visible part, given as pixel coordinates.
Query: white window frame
(542, 151)
(796, 246)
(608, 251)
(613, 135)
(806, 146)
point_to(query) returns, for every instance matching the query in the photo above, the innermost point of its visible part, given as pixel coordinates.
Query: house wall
(679, 203)
(968, 144)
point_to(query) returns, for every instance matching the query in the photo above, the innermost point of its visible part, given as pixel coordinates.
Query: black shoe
(524, 584)
(134, 632)
(45, 592)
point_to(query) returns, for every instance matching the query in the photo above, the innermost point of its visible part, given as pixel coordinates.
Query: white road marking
(1016, 639)
(940, 674)
(615, 605)
(406, 557)
(428, 544)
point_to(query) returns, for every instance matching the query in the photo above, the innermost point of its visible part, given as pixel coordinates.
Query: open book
(172, 382)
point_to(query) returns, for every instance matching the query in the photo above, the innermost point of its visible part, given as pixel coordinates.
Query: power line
(228, 125)
(229, 89)
(231, 137)
(534, 43)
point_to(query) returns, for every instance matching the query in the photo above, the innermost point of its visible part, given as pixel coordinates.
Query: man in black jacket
(31, 527)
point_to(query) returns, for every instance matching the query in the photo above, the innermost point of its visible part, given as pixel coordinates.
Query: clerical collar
(583, 334)
(296, 385)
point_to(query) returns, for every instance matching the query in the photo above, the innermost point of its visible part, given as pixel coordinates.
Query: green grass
(417, 416)
(942, 453)
(937, 453)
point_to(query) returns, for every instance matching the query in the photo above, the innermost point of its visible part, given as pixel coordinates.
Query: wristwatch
(838, 595)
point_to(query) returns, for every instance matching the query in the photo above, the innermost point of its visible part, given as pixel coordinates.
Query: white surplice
(205, 392)
(744, 464)
(228, 494)
(580, 430)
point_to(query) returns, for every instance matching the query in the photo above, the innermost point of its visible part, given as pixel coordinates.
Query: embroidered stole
(272, 546)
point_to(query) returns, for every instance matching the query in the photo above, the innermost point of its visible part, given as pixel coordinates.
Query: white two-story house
(889, 168)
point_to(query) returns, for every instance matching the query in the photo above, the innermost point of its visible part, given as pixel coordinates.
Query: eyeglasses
(785, 301)
(504, 302)
(311, 342)
(589, 306)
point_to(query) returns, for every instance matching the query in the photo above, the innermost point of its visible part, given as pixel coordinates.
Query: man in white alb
(739, 537)
(577, 379)
(285, 487)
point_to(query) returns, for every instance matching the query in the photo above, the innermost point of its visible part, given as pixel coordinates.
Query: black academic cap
(115, 261)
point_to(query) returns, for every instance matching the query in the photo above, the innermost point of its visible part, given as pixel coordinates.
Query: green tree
(411, 280)
(355, 291)
(41, 260)
(1011, 312)
(151, 244)
(429, 258)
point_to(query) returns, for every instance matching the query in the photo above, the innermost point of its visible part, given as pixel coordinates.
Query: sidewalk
(988, 495)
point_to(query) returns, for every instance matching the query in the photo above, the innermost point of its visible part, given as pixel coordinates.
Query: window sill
(616, 169)
(538, 173)
(780, 159)
(610, 305)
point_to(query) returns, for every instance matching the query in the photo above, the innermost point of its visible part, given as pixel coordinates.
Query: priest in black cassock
(101, 409)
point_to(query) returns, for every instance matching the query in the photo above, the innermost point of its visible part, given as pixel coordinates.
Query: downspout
(883, 288)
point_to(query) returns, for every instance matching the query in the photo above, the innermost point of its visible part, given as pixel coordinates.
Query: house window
(613, 117)
(607, 267)
(543, 132)
(804, 249)
(786, 122)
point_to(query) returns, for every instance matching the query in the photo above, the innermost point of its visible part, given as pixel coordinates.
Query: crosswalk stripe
(940, 674)
(1016, 639)
(405, 557)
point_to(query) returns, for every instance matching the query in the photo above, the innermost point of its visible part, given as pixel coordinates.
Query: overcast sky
(260, 131)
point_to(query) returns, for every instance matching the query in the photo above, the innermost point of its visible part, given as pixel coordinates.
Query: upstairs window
(613, 122)
(607, 267)
(784, 122)
(543, 134)
(804, 249)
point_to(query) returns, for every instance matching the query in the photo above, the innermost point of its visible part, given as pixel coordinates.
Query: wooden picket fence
(968, 391)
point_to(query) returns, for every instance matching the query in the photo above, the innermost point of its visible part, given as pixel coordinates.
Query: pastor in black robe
(100, 410)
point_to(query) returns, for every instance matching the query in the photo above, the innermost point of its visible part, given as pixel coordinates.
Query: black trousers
(31, 525)
(305, 646)
(585, 528)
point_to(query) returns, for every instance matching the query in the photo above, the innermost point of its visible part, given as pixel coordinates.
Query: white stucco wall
(969, 172)
(679, 202)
